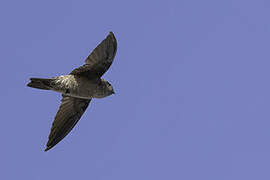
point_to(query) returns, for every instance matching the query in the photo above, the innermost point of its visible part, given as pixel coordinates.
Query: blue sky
(191, 80)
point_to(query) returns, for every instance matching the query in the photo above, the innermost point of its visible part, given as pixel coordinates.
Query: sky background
(191, 80)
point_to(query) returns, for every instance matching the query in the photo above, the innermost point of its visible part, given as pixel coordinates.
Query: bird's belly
(79, 87)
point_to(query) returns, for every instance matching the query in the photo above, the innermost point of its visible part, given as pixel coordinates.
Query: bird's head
(108, 88)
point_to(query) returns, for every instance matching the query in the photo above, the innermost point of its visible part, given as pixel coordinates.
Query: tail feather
(40, 83)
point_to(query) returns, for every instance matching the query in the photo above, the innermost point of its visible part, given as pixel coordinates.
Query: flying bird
(78, 88)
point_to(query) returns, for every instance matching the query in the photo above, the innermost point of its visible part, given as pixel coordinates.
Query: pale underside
(79, 86)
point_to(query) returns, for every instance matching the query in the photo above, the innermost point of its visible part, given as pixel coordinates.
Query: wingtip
(113, 39)
(47, 148)
(111, 34)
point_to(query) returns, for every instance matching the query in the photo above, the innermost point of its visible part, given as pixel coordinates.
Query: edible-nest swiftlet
(78, 88)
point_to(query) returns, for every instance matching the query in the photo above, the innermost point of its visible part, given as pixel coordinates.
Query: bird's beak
(113, 92)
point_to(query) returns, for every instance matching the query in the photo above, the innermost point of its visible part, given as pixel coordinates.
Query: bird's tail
(40, 83)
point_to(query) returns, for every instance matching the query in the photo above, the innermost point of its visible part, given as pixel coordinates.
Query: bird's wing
(69, 113)
(99, 61)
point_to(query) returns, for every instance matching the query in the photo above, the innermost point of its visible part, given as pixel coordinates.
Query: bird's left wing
(69, 113)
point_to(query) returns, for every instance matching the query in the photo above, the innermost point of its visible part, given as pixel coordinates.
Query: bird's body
(78, 88)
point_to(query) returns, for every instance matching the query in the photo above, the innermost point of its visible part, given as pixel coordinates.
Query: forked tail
(40, 83)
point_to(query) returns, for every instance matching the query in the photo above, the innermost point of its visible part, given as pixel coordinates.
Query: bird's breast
(76, 86)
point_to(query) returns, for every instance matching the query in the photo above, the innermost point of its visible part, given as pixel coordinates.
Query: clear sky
(191, 80)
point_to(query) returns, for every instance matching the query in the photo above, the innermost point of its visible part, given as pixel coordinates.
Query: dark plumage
(78, 88)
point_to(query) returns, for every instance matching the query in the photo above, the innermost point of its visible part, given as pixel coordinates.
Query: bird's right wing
(69, 113)
(99, 61)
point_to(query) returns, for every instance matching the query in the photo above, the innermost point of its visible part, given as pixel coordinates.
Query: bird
(78, 88)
